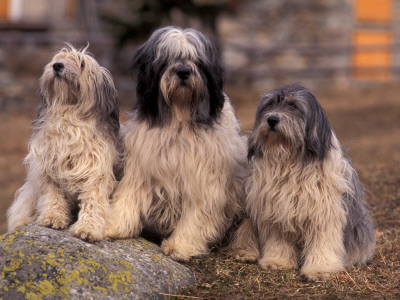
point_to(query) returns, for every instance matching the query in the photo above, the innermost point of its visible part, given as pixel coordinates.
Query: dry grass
(367, 122)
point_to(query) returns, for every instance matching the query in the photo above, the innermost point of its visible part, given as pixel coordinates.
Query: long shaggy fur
(303, 195)
(73, 150)
(184, 156)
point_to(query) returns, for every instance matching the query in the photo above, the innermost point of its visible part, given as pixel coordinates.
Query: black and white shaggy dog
(184, 156)
(303, 195)
(73, 151)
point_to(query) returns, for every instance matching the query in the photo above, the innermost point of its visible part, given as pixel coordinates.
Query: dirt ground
(366, 121)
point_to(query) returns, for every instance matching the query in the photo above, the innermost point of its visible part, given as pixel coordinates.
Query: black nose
(57, 67)
(272, 121)
(183, 72)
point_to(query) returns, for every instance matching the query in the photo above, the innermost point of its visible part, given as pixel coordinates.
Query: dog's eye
(82, 65)
(268, 104)
(292, 106)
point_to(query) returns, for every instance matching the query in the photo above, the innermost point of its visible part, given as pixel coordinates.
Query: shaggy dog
(303, 195)
(73, 149)
(184, 156)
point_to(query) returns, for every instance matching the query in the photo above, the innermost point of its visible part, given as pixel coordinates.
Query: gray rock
(41, 263)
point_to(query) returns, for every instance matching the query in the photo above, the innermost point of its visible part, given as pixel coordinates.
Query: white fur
(184, 180)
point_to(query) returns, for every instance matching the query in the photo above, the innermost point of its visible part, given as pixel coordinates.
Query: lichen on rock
(41, 263)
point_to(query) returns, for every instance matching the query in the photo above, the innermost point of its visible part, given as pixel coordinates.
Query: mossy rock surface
(41, 263)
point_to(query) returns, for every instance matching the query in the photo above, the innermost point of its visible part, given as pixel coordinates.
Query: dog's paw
(114, 232)
(111, 233)
(174, 252)
(319, 272)
(53, 221)
(247, 254)
(317, 276)
(179, 251)
(87, 231)
(276, 263)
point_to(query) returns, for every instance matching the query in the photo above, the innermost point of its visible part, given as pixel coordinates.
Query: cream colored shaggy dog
(73, 149)
(184, 155)
(303, 195)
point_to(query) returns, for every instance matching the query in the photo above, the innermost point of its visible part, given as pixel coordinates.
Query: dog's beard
(180, 94)
(66, 92)
(273, 137)
(60, 88)
(60, 91)
(278, 139)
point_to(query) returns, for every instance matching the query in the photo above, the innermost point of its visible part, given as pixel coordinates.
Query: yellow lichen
(21, 289)
(73, 276)
(14, 265)
(46, 288)
(33, 296)
(123, 278)
(100, 288)
(156, 258)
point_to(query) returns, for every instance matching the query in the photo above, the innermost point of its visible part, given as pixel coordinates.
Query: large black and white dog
(184, 156)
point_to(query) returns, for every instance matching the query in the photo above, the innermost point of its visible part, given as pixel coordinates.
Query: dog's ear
(41, 111)
(107, 104)
(210, 66)
(253, 147)
(318, 135)
(148, 74)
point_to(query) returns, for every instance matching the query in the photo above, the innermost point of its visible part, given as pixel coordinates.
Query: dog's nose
(57, 67)
(272, 121)
(183, 72)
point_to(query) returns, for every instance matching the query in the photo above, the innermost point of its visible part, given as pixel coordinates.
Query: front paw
(115, 232)
(244, 254)
(60, 221)
(87, 231)
(276, 263)
(179, 251)
(320, 272)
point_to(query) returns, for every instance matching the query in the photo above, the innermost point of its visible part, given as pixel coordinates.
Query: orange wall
(372, 53)
(3, 9)
(373, 10)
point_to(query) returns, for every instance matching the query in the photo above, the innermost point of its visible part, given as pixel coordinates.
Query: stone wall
(275, 42)
(265, 44)
(282, 41)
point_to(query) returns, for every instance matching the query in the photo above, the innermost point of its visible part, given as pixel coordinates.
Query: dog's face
(73, 77)
(291, 119)
(178, 75)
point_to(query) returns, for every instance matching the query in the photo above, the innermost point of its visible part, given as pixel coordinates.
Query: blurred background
(346, 51)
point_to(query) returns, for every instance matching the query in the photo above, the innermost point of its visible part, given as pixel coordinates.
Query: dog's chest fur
(179, 164)
(292, 195)
(181, 155)
(71, 148)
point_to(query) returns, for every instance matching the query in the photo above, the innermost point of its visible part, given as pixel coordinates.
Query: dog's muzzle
(273, 121)
(183, 72)
(58, 68)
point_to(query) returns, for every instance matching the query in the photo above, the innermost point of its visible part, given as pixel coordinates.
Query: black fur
(106, 107)
(318, 139)
(359, 227)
